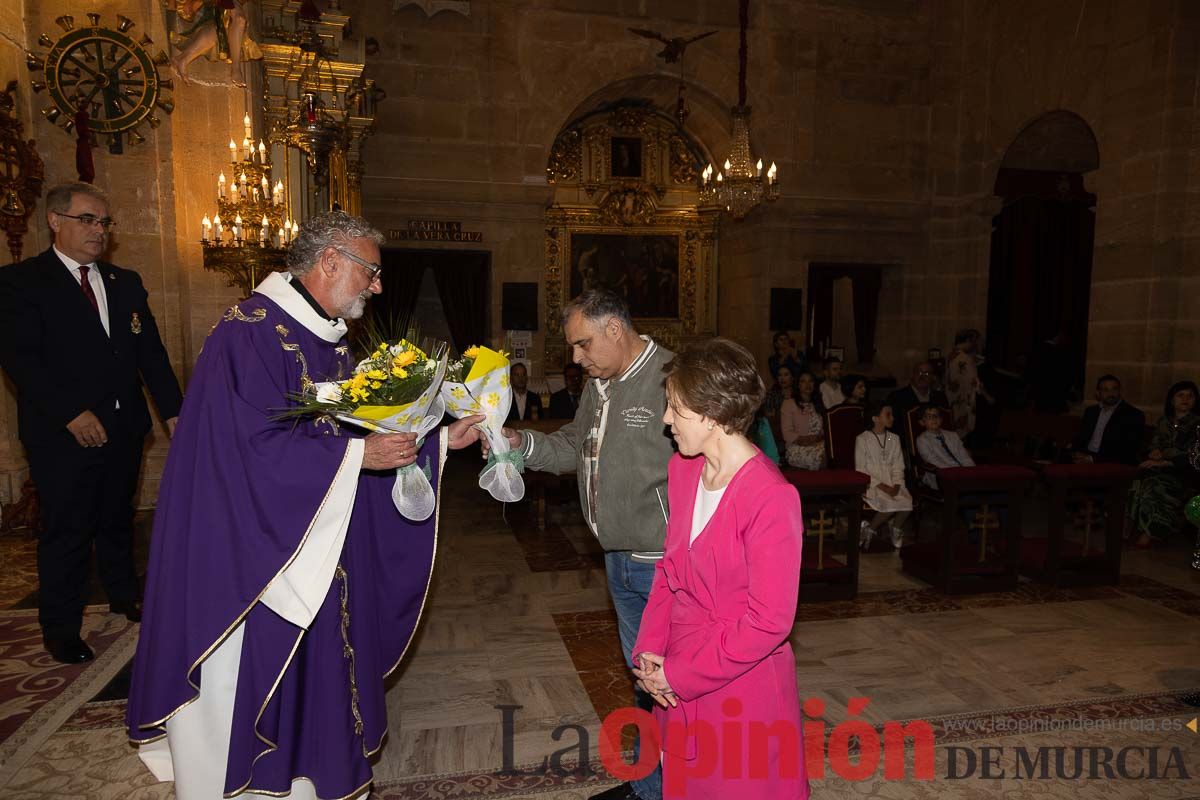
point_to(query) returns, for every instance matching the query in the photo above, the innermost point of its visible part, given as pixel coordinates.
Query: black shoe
(70, 650)
(623, 792)
(131, 611)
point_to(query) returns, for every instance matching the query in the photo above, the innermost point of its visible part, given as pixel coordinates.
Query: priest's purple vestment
(267, 533)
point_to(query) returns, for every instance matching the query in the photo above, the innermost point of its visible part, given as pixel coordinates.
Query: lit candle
(207, 227)
(720, 177)
(727, 165)
(282, 237)
(221, 186)
(277, 195)
(233, 193)
(264, 231)
(758, 169)
(266, 187)
(242, 181)
(232, 151)
(237, 227)
(246, 125)
(262, 152)
(771, 173)
(255, 194)
(220, 228)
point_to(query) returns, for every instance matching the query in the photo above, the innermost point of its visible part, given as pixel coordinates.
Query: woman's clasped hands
(653, 680)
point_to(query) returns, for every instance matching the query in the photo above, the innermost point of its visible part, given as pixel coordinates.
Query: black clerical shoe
(131, 611)
(70, 650)
(622, 792)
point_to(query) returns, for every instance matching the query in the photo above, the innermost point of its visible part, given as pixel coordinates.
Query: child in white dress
(877, 454)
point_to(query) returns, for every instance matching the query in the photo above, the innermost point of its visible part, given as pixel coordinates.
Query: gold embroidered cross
(821, 526)
(985, 520)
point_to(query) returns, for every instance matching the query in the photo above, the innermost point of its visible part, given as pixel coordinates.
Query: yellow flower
(492, 399)
(376, 375)
(376, 385)
(399, 372)
(458, 392)
(404, 359)
(503, 381)
(471, 352)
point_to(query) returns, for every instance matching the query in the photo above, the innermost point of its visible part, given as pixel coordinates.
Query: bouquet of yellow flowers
(395, 389)
(477, 383)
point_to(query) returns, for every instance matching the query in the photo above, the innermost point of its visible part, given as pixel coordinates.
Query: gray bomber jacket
(631, 501)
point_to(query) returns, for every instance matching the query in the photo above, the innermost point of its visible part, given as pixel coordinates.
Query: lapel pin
(135, 323)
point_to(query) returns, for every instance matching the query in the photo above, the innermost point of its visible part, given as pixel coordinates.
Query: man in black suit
(565, 401)
(1113, 431)
(526, 405)
(919, 392)
(77, 338)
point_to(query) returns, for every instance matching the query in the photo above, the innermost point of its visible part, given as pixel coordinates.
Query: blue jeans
(629, 584)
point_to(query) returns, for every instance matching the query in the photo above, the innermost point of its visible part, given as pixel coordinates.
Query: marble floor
(519, 616)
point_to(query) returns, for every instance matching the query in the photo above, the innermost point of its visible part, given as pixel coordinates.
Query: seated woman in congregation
(802, 420)
(854, 387)
(713, 645)
(1158, 495)
(783, 388)
(877, 454)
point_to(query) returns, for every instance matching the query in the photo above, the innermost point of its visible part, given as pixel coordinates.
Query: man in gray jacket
(617, 446)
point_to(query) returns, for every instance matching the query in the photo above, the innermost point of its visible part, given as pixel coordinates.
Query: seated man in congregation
(526, 405)
(831, 387)
(565, 401)
(920, 391)
(1112, 431)
(938, 448)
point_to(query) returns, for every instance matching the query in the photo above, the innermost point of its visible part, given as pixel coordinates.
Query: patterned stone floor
(519, 615)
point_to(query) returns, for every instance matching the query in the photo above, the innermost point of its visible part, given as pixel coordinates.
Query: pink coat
(720, 613)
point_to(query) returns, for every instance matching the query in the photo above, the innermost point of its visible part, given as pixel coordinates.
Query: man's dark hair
(1104, 378)
(522, 366)
(831, 360)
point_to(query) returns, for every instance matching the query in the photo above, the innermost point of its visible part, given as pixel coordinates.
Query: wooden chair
(843, 424)
(828, 496)
(1089, 498)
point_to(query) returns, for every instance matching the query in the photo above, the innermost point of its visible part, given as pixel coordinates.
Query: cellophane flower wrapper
(486, 390)
(412, 493)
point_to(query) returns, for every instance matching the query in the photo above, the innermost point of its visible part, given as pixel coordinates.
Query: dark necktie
(86, 285)
(946, 447)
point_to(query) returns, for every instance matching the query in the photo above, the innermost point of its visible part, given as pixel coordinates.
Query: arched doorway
(1039, 280)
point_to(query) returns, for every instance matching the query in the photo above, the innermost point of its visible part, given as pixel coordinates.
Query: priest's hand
(87, 430)
(463, 432)
(389, 450)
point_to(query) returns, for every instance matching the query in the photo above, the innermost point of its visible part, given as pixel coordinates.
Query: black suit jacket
(562, 405)
(532, 400)
(1124, 436)
(53, 347)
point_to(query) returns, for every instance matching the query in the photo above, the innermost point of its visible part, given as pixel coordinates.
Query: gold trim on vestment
(253, 603)
(348, 649)
(288, 793)
(233, 312)
(437, 517)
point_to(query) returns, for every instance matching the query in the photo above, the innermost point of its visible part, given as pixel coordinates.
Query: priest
(283, 584)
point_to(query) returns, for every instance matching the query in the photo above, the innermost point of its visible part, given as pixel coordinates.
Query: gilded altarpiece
(626, 217)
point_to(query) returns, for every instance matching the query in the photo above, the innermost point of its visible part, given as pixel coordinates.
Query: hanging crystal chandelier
(742, 184)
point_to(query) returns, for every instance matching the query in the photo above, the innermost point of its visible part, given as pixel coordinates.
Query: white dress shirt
(1106, 413)
(831, 395)
(520, 399)
(94, 278)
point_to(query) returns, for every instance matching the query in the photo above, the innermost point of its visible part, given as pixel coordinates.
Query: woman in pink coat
(713, 646)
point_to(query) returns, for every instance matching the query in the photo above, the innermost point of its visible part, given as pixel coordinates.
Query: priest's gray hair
(600, 305)
(319, 233)
(59, 198)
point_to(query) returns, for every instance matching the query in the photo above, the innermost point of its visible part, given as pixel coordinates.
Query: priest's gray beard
(354, 306)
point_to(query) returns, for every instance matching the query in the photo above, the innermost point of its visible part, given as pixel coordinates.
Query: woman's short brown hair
(717, 379)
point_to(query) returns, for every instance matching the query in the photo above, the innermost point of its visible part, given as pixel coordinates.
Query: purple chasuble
(238, 497)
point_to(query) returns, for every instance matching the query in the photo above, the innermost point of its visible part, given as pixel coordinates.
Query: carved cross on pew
(1086, 518)
(821, 526)
(985, 520)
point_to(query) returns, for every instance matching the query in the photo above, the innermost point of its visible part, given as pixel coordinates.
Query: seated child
(939, 448)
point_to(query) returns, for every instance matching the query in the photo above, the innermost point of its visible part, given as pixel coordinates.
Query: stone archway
(1041, 257)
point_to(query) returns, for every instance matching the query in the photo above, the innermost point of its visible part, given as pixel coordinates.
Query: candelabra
(249, 235)
(741, 186)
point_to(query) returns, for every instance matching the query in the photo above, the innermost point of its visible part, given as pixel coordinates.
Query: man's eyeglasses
(372, 269)
(91, 220)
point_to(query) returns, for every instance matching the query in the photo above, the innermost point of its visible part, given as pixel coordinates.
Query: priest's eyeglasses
(372, 269)
(91, 220)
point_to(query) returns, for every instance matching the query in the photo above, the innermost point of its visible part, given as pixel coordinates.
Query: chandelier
(249, 234)
(741, 185)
